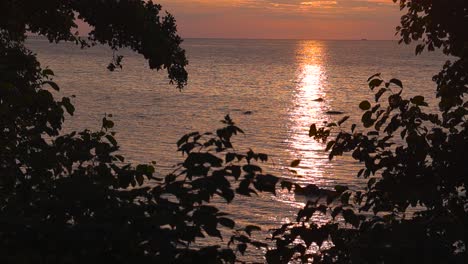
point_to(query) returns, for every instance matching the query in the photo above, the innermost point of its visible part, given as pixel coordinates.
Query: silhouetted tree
(136, 24)
(69, 198)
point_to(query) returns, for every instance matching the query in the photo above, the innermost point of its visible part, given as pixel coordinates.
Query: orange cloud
(320, 4)
(329, 19)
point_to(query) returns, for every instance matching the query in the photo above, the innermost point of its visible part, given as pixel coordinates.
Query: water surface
(277, 81)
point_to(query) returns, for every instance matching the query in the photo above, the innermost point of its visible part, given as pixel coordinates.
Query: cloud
(311, 7)
(284, 18)
(320, 4)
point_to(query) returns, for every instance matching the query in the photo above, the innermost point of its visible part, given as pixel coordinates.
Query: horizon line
(261, 38)
(316, 39)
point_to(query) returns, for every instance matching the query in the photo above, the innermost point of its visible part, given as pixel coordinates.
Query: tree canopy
(136, 24)
(69, 197)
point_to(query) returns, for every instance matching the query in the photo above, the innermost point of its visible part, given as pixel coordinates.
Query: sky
(285, 19)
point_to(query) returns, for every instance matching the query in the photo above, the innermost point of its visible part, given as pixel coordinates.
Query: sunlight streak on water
(309, 107)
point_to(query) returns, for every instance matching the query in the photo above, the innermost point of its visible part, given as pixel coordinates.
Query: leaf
(396, 82)
(418, 100)
(68, 105)
(375, 83)
(419, 49)
(212, 231)
(394, 100)
(106, 123)
(361, 171)
(250, 228)
(227, 194)
(52, 84)
(295, 163)
(145, 169)
(242, 248)
(313, 130)
(47, 72)
(226, 222)
(379, 94)
(330, 145)
(365, 105)
(351, 217)
(263, 157)
(403, 133)
(111, 67)
(343, 120)
(266, 183)
(139, 178)
(373, 76)
(182, 140)
(251, 168)
(381, 122)
(112, 140)
(367, 120)
(375, 108)
(120, 158)
(230, 157)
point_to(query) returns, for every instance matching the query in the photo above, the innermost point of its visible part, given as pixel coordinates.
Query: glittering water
(278, 81)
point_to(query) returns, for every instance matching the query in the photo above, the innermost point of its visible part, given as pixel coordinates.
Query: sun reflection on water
(309, 107)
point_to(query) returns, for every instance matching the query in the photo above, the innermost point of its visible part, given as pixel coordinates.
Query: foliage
(414, 208)
(442, 25)
(135, 24)
(70, 198)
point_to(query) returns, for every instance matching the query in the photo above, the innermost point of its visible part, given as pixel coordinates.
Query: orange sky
(297, 19)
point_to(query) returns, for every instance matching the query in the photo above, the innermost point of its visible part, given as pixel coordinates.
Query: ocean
(269, 87)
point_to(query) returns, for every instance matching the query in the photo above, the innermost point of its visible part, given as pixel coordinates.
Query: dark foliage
(136, 24)
(69, 198)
